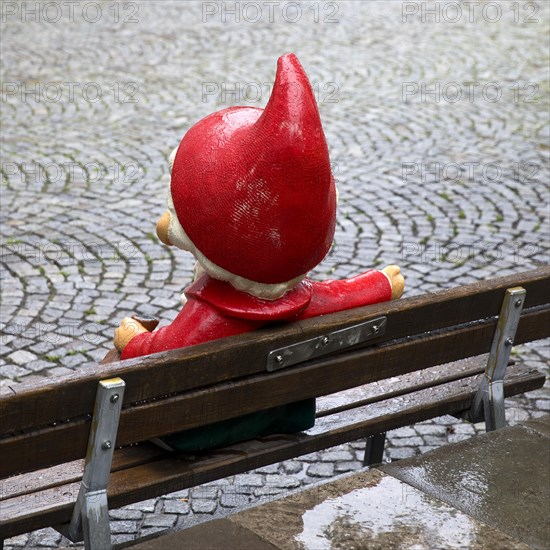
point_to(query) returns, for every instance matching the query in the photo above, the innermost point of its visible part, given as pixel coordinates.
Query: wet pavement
(502, 479)
(438, 133)
(491, 491)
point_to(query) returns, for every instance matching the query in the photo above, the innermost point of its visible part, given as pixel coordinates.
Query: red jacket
(215, 309)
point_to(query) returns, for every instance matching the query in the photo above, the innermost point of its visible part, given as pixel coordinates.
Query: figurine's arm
(197, 322)
(370, 287)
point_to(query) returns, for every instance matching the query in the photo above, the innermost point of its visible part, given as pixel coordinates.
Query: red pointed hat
(252, 189)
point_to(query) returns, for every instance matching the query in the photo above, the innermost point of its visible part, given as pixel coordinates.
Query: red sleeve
(368, 288)
(196, 323)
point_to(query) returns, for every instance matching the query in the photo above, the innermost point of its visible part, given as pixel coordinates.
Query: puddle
(388, 515)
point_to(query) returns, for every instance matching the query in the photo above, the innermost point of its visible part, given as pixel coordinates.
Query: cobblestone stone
(407, 441)
(159, 520)
(200, 506)
(45, 538)
(39, 365)
(176, 506)
(19, 541)
(73, 360)
(233, 500)
(350, 466)
(249, 480)
(123, 526)
(292, 466)
(398, 453)
(286, 482)
(403, 432)
(323, 469)
(465, 428)
(143, 506)
(205, 492)
(21, 357)
(270, 469)
(336, 456)
(125, 514)
(430, 429)
(79, 253)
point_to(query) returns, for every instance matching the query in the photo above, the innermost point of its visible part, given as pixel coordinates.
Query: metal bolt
(114, 398)
(279, 359)
(106, 445)
(508, 342)
(325, 340)
(518, 302)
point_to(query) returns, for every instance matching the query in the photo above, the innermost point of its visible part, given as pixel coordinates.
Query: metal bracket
(488, 403)
(323, 345)
(90, 519)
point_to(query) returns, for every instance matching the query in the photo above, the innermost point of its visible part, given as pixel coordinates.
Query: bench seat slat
(28, 405)
(68, 441)
(54, 505)
(72, 471)
(407, 383)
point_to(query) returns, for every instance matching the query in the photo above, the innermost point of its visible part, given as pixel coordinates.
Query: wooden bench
(395, 357)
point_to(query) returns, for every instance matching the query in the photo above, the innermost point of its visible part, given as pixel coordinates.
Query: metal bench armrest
(488, 403)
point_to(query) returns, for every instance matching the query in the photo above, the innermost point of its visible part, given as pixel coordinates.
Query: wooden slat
(53, 506)
(27, 406)
(68, 441)
(406, 383)
(61, 474)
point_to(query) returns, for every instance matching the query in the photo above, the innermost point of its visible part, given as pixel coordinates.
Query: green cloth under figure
(286, 419)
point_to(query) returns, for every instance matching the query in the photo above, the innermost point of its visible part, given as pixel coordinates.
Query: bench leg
(374, 449)
(493, 407)
(95, 521)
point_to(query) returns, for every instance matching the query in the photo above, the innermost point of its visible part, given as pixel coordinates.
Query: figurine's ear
(171, 158)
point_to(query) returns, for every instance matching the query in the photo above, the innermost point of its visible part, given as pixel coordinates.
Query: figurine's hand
(126, 331)
(397, 282)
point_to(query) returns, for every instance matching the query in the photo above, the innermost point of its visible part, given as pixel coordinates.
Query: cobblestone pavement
(438, 133)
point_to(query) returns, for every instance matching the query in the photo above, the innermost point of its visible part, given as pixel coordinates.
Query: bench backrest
(167, 392)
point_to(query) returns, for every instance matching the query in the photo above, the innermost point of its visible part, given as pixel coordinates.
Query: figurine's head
(252, 195)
